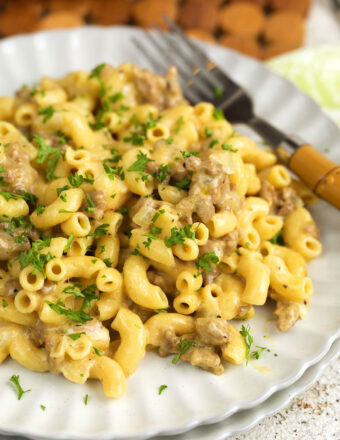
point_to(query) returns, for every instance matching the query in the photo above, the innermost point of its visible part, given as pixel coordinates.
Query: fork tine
(179, 58)
(162, 52)
(147, 54)
(207, 65)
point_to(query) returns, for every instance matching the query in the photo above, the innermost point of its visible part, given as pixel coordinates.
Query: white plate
(244, 420)
(193, 397)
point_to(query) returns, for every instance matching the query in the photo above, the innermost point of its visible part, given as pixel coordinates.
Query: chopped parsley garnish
(183, 184)
(206, 260)
(28, 197)
(183, 347)
(208, 132)
(140, 165)
(218, 114)
(101, 230)
(186, 154)
(75, 336)
(96, 74)
(61, 189)
(277, 238)
(116, 157)
(74, 315)
(135, 139)
(116, 97)
(90, 205)
(218, 92)
(150, 122)
(161, 389)
(228, 147)
(114, 171)
(248, 339)
(15, 381)
(152, 235)
(247, 244)
(169, 141)
(98, 124)
(137, 253)
(45, 152)
(178, 236)
(4, 303)
(77, 179)
(69, 242)
(43, 407)
(40, 209)
(108, 262)
(161, 310)
(63, 139)
(257, 353)
(213, 143)
(47, 112)
(11, 225)
(179, 123)
(97, 351)
(2, 179)
(35, 258)
(162, 173)
(123, 211)
(86, 399)
(158, 213)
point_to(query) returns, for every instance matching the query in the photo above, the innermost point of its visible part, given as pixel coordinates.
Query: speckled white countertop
(312, 415)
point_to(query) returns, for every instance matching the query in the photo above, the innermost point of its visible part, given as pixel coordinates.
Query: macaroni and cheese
(131, 220)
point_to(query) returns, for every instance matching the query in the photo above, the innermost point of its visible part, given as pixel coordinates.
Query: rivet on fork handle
(321, 174)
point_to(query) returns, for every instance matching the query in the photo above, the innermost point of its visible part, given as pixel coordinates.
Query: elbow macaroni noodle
(130, 220)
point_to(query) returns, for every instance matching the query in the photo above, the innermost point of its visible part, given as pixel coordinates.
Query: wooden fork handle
(321, 174)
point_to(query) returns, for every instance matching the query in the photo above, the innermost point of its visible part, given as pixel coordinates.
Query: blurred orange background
(259, 28)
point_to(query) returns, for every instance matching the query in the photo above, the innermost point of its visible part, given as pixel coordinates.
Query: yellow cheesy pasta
(133, 221)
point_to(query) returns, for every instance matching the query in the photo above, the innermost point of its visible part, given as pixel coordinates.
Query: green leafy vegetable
(228, 147)
(96, 74)
(248, 339)
(15, 381)
(97, 351)
(135, 139)
(213, 143)
(162, 173)
(179, 124)
(35, 258)
(161, 389)
(218, 92)
(183, 347)
(45, 152)
(158, 213)
(206, 260)
(47, 112)
(69, 242)
(183, 184)
(114, 171)
(257, 353)
(218, 114)
(277, 238)
(186, 154)
(74, 315)
(208, 132)
(90, 205)
(178, 235)
(75, 336)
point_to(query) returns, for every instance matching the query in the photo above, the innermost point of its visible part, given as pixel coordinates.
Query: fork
(203, 80)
